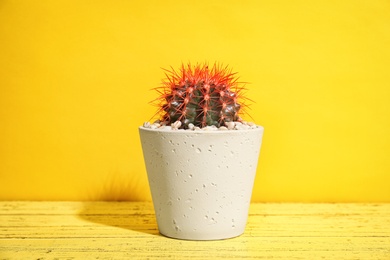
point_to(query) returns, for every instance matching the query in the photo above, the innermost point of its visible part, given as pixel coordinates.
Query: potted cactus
(200, 155)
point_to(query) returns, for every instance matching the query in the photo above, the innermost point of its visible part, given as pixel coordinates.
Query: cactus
(200, 96)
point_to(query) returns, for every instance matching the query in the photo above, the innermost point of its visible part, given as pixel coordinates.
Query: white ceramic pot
(201, 181)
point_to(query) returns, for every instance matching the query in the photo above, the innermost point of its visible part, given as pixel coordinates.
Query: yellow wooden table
(128, 230)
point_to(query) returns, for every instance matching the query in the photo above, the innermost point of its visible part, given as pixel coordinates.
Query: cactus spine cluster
(201, 96)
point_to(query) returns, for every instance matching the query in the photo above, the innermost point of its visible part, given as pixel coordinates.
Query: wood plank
(40, 226)
(288, 248)
(127, 230)
(120, 208)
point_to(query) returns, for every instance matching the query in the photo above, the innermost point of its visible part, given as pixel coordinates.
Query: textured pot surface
(201, 181)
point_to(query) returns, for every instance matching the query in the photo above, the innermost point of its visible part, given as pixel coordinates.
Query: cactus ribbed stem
(200, 96)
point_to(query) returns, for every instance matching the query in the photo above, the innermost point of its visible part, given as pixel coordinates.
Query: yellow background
(75, 80)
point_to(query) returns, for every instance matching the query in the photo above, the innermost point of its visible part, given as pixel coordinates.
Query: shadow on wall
(120, 187)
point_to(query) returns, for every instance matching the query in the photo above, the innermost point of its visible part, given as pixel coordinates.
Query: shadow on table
(134, 216)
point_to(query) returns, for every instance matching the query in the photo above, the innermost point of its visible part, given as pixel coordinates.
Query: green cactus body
(200, 96)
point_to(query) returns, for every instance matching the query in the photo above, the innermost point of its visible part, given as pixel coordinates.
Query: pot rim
(202, 132)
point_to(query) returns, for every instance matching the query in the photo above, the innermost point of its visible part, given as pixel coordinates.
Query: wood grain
(128, 230)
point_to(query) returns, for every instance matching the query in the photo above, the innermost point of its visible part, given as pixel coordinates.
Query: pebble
(241, 127)
(230, 125)
(176, 125)
(210, 128)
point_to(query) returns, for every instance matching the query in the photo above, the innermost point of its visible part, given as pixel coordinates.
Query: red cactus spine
(200, 96)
